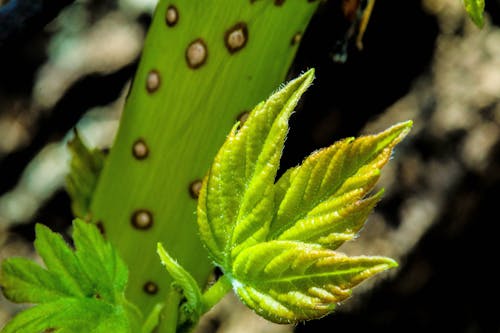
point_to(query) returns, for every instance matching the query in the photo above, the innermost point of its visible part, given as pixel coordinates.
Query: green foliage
(183, 280)
(325, 202)
(78, 291)
(85, 167)
(288, 281)
(475, 9)
(183, 121)
(235, 206)
(275, 242)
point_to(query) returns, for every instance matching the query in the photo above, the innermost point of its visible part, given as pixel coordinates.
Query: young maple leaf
(275, 242)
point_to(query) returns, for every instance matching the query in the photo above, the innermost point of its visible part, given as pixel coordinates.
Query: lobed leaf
(325, 202)
(287, 281)
(236, 201)
(275, 241)
(78, 291)
(475, 9)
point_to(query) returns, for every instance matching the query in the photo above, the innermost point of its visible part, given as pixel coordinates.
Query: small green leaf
(475, 9)
(286, 281)
(324, 203)
(236, 202)
(85, 168)
(185, 281)
(79, 291)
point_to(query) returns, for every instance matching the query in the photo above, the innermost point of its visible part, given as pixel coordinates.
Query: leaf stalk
(215, 293)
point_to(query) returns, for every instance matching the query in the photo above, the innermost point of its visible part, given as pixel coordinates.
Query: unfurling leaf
(475, 9)
(78, 291)
(286, 281)
(185, 281)
(275, 242)
(85, 168)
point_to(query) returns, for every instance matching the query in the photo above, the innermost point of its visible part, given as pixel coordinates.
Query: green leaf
(236, 201)
(100, 262)
(275, 241)
(25, 281)
(286, 281)
(193, 306)
(324, 203)
(85, 168)
(70, 315)
(475, 9)
(78, 291)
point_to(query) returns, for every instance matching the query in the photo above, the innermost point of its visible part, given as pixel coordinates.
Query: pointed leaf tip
(391, 263)
(394, 134)
(475, 9)
(403, 128)
(309, 75)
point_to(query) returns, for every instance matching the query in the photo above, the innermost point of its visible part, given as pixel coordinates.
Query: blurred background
(67, 63)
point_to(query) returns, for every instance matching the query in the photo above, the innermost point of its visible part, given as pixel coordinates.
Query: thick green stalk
(204, 63)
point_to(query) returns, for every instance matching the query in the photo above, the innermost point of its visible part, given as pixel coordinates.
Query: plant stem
(153, 319)
(215, 293)
(170, 313)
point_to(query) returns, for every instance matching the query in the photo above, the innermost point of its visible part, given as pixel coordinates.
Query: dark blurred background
(67, 62)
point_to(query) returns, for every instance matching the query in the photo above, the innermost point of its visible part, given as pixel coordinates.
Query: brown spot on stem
(236, 37)
(196, 53)
(140, 149)
(142, 219)
(194, 188)
(279, 2)
(150, 288)
(171, 16)
(296, 38)
(242, 117)
(153, 81)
